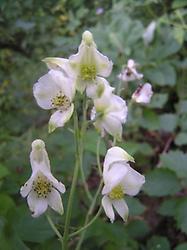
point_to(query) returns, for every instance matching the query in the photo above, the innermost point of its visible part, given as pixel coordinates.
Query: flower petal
(55, 201)
(27, 187)
(107, 205)
(112, 126)
(143, 94)
(133, 181)
(45, 89)
(122, 208)
(103, 64)
(37, 205)
(116, 154)
(56, 184)
(114, 176)
(59, 118)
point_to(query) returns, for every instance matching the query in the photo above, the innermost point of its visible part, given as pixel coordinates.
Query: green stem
(98, 156)
(73, 185)
(51, 223)
(90, 211)
(89, 223)
(81, 148)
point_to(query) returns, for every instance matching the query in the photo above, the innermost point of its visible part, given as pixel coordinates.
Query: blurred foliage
(156, 135)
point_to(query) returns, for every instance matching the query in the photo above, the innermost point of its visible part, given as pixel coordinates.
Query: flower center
(60, 101)
(116, 193)
(42, 186)
(88, 72)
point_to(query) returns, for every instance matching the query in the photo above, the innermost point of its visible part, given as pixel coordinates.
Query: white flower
(109, 113)
(42, 188)
(102, 88)
(55, 91)
(148, 34)
(119, 179)
(129, 73)
(143, 93)
(89, 63)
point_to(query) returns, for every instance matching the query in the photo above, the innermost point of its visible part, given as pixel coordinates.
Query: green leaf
(161, 182)
(179, 4)
(38, 229)
(168, 122)
(176, 161)
(178, 33)
(181, 139)
(158, 101)
(135, 206)
(6, 204)
(168, 207)
(3, 171)
(149, 120)
(162, 75)
(158, 243)
(137, 229)
(183, 122)
(182, 107)
(181, 215)
(182, 246)
(133, 147)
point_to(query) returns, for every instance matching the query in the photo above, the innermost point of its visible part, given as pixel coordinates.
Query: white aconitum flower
(102, 88)
(42, 188)
(119, 179)
(129, 73)
(55, 91)
(148, 34)
(89, 63)
(143, 94)
(109, 113)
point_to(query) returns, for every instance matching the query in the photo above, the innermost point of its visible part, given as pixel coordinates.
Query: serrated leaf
(149, 120)
(137, 229)
(161, 182)
(90, 141)
(179, 33)
(176, 161)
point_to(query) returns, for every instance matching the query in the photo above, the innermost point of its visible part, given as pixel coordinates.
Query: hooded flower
(129, 73)
(119, 179)
(148, 34)
(42, 188)
(143, 93)
(56, 91)
(89, 63)
(109, 113)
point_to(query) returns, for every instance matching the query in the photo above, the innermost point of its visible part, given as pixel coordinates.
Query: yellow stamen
(88, 72)
(42, 186)
(116, 193)
(60, 101)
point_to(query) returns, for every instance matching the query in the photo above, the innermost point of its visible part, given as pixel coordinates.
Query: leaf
(179, 4)
(134, 147)
(181, 139)
(135, 206)
(158, 101)
(149, 120)
(168, 207)
(168, 122)
(3, 171)
(6, 204)
(158, 243)
(38, 229)
(137, 229)
(181, 215)
(182, 107)
(161, 182)
(163, 75)
(182, 246)
(176, 161)
(178, 33)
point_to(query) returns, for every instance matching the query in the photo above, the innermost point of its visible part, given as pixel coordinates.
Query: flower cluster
(85, 72)
(129, 73)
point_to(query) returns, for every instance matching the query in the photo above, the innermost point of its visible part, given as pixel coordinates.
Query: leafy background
(156, 135)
